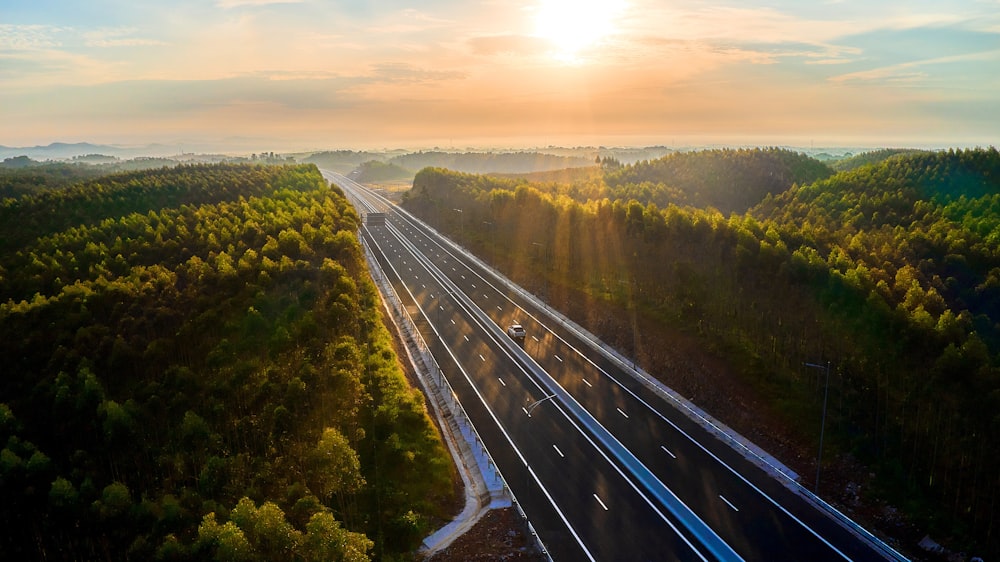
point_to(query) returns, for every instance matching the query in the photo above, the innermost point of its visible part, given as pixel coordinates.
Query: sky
(290, 75)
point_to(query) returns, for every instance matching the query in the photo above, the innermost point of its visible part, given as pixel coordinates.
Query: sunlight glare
(572, 25)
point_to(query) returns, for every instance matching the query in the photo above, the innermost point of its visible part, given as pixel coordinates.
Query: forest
(888, 272)
(196, 366)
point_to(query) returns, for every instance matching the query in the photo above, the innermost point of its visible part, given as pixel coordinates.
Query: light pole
(541, 250)
(461, 222)
(493, 240)
(822, 425)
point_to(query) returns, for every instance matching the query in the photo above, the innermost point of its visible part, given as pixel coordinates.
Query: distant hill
(342, 161)
(872, 157)
(564, 176)
(63, 151)
(728, 180)
(376, 171)
(489, 162)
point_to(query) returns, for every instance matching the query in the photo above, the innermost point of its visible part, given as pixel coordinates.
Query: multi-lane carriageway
(604, 467)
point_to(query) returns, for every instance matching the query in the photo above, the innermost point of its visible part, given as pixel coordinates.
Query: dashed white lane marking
(600, 502)
(586, 382)
(728, 503)
(668, 451)
(622, 413)
(558, 451)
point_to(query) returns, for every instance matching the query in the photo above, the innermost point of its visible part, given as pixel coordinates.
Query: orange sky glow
(307, 74)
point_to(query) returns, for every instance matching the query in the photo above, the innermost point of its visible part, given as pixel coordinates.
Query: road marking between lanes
(466, 338)
(525, 410)
(668, 451)
(586, 382)
(424, 286)
(498, 308)
(558, 451)
(501, 381)
(559, 358)
(729, 503)
(481, 357)
(622, 413)
(453, 322)
(534, 338)
(600, 502)
(463, 277)
(473, 286)
(440, 307)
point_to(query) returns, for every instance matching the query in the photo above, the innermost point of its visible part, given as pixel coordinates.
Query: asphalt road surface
(604, 467)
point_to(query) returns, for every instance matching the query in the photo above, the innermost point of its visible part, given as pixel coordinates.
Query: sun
(572, 26)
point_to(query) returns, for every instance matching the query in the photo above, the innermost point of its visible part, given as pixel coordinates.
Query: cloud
(409, 21)
(28, 37)
(907, 72)
(406, 73)
(106, 38)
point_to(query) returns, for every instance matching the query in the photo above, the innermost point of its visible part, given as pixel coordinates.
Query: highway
(605, 468)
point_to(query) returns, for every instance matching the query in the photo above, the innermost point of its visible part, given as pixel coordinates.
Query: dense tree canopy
(196, 367)
(891, 271)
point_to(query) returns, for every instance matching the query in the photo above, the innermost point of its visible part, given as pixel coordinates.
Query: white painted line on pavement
(501, 381)
(622, 413)
(559, 358)
(728, 503)
(668, 451)
(558, 451)
(600, 502)
(466, 338)
(586, 382)
(481, 357)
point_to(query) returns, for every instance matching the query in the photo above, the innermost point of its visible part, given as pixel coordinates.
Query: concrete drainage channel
(485, 488)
